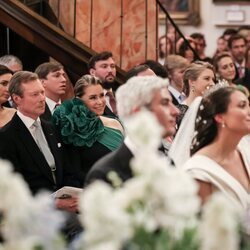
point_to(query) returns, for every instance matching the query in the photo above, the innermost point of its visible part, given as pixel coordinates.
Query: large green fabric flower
(77, 124)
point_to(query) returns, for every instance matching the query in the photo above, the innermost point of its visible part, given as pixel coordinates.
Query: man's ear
(16, 99)
(43, 82)
(92, 72)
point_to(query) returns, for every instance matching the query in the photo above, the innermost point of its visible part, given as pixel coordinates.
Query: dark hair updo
(205, 125)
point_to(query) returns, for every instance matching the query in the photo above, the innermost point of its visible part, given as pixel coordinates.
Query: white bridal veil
(180, 148)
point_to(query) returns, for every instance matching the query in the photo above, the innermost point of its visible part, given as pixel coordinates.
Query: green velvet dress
(81, 127)
(84, 135)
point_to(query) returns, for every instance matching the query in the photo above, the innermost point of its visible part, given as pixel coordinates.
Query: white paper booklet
(67, 192)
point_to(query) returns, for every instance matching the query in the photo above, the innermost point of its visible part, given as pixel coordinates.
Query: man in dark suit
(102, 65)
(21, 144)
(53, 78)
(238, 46)
(176, 66)
(138, 92)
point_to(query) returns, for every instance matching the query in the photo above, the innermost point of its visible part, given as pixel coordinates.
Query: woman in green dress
(86, 133)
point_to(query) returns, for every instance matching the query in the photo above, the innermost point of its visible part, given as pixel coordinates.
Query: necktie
(56, 105)
(112, 101)
(181, 98)
(43, 146)
(241, 71)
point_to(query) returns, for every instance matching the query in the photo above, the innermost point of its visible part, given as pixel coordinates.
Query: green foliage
(161, 240)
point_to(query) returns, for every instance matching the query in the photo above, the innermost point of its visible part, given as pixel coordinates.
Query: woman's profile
(220, 159)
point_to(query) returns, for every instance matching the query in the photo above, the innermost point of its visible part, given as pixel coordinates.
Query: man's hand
(69, 204)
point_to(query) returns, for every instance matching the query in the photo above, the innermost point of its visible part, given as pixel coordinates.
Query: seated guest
(198, 77)
(6, 113)
(30, 144)
(158, 69)
(220, 159)
(225, 70)
(140, 70)
(137, 93)
(53, 78)
(185, 51)
(103, 66)
(86, 133)
(166, 48)
(12, 62)
(176, 66)
(200, 45)
(221, 46)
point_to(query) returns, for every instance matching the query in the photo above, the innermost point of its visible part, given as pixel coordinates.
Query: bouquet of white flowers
(158, 208)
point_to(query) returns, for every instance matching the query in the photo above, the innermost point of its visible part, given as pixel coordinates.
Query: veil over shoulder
(180, 148)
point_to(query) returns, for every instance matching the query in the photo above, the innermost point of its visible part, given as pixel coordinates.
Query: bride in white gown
(220, 157)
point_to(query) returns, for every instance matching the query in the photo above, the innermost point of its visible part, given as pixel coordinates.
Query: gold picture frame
(185, 12)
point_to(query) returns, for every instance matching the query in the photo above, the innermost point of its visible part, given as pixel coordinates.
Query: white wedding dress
(205, 169)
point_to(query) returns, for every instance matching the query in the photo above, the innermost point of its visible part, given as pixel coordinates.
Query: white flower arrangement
(157, 209)
(27, 221)
(220, 224)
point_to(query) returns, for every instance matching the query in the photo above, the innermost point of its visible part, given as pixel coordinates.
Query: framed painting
(182, 11)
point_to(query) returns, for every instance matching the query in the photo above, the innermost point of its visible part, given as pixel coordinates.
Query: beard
(110, 85)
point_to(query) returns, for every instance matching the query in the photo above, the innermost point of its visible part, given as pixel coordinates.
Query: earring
(192, 89)
(223, 125)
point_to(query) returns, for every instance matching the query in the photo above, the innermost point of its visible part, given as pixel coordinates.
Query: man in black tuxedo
(102, 65)
(53, 78)
(139, 92)
(21, 139)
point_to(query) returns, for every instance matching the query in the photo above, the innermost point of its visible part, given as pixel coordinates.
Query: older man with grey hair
(139, 92)
(12, 62)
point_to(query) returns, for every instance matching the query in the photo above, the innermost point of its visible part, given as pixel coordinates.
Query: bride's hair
(205, 125)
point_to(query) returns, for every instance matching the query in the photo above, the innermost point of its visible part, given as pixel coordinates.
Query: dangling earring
(192, 89)
(223, 125)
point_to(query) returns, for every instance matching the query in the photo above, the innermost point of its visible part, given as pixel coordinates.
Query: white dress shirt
(52, 104)
(180, 97)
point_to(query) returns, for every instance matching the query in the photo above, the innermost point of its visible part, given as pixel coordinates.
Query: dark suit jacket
(109, 113)
(46, 116)
(117, 161)
(245, 81)
(174, 100)
(83, 158)
(18, 146)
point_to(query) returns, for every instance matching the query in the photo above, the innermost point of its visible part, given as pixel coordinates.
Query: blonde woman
(198, 77)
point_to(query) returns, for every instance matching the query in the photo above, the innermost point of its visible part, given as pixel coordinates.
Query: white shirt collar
(28, 122)
(240, 65)
(107, 98)
(175, 93)
(51, 104)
